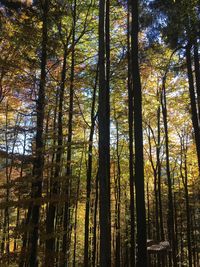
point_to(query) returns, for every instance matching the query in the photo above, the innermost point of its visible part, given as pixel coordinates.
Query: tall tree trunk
(104, 140)
(148, 212)
(54, 187)
(76, 211)
(36, 191)
(171, 231)
(154, 169)
(21, 176)
(197, 76)
(127, 223)
(118, 205)
(159, 171)
(89, 174)
(138, 134)
(193, 103)
(184, 175)
(95, 222)
(65, 247)
(130, 123)
(5, 246)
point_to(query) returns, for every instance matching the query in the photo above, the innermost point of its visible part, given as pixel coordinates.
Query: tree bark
(138, 135)
(65, 247)
(197, 76)
(38, 165)
(184, 175)
(95, 221)
(76, 211)
(171, 230)
(159, 171)
(104, 140)
(118, 205)
(89, 174)
(131, 156)
(193, 103)
(54, 187)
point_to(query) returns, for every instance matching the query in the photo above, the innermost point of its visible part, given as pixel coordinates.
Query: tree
(138, 135)
(171, 230)
(74, 168)
(69, 150)
(131, 156)
(104, 137)
(89, 172)
(34, 210)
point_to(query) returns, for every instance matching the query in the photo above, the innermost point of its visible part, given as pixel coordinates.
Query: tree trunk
(118, 205)
(65, 247)
(138, 134)
(184, 175)
(54, 187)
(130, 123)
(104, 140)
(154, 169)
(89, 174)
(76, 211)
(159, 171)
(36, 191)
(171, 231)
(95, 222)
(197, 76)
(193, 103)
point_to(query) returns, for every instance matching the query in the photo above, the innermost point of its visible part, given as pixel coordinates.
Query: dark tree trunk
(127, 223)
(188, 217)
(197, 76)
(184, 175)
(36, 191)
(118, 205)
(89, 174)
(156, 207)
(193, 103)
(171, 231)
(5, 245)
(138, 134)
(66, 218)
(154, 169)
(95, 222)
(104, 139)
(159, 171)
(148, 213)
(76, 211)
(54, 186)
(21, 175)
(131, 159)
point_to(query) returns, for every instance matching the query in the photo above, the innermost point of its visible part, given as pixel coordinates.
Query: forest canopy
(99, 133)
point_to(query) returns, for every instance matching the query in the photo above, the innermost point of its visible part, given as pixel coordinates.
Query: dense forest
(100, 133)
